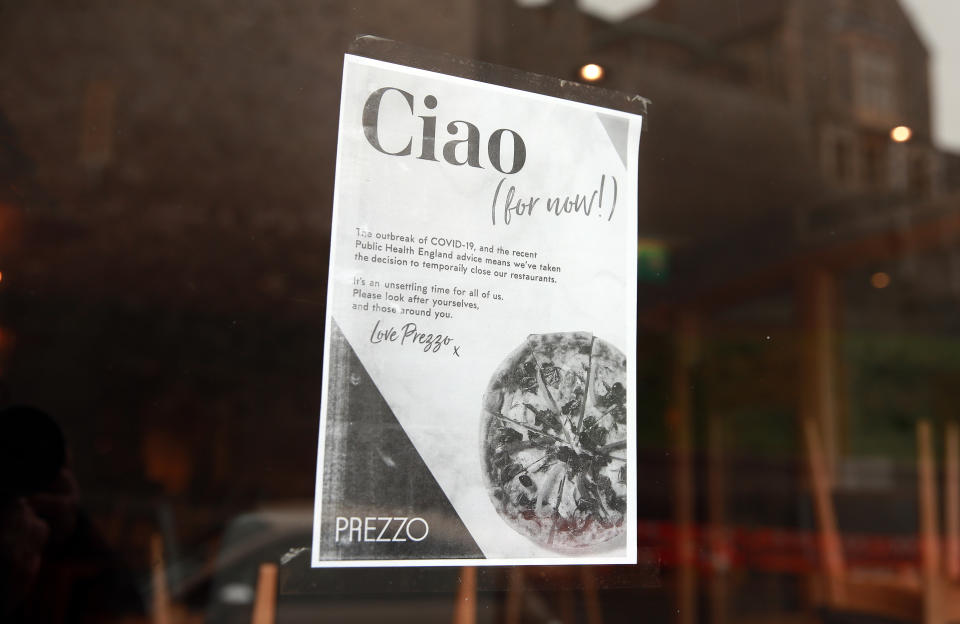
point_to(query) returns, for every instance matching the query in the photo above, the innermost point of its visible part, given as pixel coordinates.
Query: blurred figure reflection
(54, 566)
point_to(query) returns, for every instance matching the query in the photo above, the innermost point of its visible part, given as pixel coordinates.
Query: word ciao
(453, 150)
(381, 529)
(510, 203)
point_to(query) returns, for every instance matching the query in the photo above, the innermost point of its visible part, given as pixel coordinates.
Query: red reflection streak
(769, 549)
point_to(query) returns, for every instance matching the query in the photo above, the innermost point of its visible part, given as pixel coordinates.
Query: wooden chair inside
(940, 574)
(932, 596)
(870, 592)
(584, 576)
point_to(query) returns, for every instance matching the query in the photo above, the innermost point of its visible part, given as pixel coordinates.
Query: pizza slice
(606, 403)
(563, 362)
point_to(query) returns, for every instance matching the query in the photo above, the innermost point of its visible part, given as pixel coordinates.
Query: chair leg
(929, 527)
(161, 610)
(465, 610)
(952, 498)
(515, 596)
(265, 604)
(591, 596)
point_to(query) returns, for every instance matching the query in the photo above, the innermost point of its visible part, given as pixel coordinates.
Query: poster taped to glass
(479, 373)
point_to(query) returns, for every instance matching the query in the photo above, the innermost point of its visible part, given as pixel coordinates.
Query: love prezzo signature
(409, 334)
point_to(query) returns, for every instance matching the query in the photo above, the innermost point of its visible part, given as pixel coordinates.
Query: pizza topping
(574, 405)
(545, 419)
(592, 436)
(551, 375)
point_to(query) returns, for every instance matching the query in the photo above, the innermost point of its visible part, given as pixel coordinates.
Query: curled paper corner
(618, 130)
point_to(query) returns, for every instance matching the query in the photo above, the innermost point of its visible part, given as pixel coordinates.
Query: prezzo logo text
(380, 529)
(462, 141)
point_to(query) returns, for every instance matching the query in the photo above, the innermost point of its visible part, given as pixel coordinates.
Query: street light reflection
(591, 72)
(880, 280)
(901, 134)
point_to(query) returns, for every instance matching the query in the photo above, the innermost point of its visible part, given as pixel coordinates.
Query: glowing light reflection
(591, 72)
(901, 134)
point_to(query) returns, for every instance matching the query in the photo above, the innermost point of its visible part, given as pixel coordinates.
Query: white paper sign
(479, 367)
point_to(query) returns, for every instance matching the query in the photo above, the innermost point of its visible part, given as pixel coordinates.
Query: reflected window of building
(918, 174)
(874, 162)
(875, 77)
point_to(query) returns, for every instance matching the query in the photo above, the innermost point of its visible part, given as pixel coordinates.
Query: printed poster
(479, 367)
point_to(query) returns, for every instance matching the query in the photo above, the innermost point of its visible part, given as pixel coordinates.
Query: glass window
(167, 183)
(875, 87)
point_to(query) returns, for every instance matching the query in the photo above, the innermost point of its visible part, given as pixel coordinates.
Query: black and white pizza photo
(554, 439)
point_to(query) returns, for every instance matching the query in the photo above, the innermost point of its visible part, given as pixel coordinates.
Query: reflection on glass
(165, 179)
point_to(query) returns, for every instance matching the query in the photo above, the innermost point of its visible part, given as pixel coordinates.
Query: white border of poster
(478, 230)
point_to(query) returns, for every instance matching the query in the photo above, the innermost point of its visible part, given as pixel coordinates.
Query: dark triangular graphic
(372, 470)
(617, 129)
